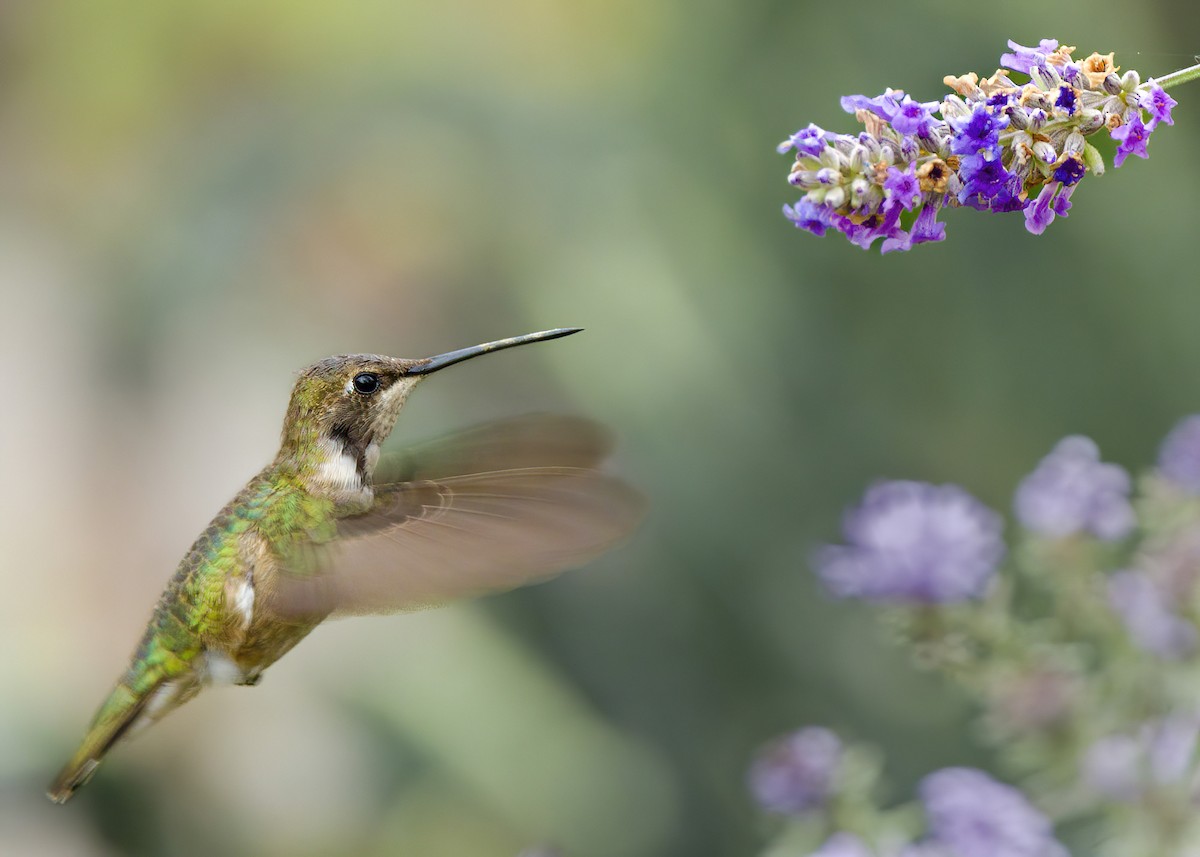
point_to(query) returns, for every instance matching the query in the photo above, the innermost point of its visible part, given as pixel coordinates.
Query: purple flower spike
(1132, 136)
(1072, 491)
(808, 141)
(911, 542)
(1148, 617)
(796, 773)
(1159, 105)
(1023, 59)
(1179, 456)
(972, 815)
(992, 144)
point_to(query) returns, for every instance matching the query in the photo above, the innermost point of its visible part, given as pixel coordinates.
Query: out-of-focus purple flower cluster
(796, 773)
(914, 542)
(1072, 491)
(992, 145)
(1127, 766)
(911, 542)
(969, 814)
(1179, 457)
(972, 815)
(1149, 617)
(1102, 731)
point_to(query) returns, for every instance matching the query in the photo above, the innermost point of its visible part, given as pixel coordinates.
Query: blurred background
(198, 199)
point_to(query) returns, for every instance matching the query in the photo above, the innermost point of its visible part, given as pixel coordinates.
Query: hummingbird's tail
(121, 711)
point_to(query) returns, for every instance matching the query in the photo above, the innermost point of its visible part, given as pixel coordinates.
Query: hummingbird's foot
(250, 679)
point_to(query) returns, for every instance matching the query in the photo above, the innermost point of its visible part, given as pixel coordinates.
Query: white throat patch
(338, 469)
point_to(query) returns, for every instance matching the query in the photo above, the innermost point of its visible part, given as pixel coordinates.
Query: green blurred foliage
(197, 199)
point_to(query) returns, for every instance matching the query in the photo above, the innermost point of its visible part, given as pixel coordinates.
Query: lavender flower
(993, 145)
(807, 141)
(1055, 199)
(1179, 456)
(796, 773)
(1072, 491)
(1132, 137)
(1147, 615)
(914, 542)
(1159, 105)
(1024, 59)
(973, 815)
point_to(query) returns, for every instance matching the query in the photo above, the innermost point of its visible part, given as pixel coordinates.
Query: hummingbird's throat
(342, 474)
(344, 467)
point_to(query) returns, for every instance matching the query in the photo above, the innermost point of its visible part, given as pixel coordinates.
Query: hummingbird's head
(350, 400)
(343, 407)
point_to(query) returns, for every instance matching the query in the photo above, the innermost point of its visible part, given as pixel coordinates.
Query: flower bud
(1090, 121)
(1044, 152)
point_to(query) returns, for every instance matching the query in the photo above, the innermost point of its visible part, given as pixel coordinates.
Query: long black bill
(441, 361)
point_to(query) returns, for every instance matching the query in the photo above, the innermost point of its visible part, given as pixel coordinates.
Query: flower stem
(1178, 77)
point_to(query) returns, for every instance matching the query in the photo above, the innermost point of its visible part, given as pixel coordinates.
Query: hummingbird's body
(330, 528)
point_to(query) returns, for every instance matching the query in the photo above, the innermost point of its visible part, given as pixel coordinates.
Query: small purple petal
(796, 773)
(1132, 136)
(1039, 214)
(808, 141)
(913, 117)
(1160, 105)
(1062, 202)
(898, 241)
(902, 187)
(1053, 201)
(809, 216)
(884, 106)
(882, 224)
(1023, 59)
(926, 227)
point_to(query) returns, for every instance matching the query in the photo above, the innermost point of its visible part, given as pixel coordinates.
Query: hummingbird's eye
(366, 383)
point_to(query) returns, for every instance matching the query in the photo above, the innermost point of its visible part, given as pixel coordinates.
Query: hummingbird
(333, 527)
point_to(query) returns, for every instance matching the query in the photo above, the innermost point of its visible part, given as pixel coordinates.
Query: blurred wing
(533, 440)
(431, 540)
